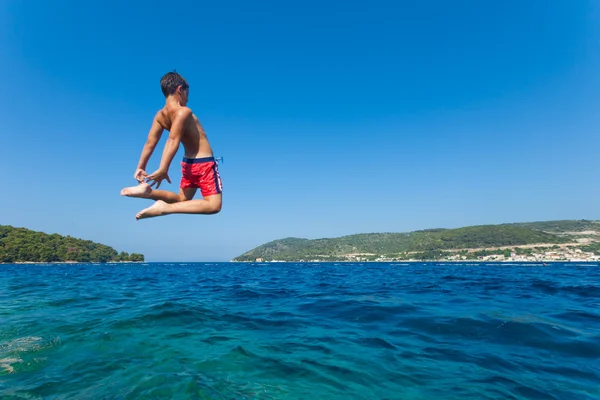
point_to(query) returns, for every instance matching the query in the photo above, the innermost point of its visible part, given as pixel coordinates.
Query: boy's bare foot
(155, 210)
(141, 190)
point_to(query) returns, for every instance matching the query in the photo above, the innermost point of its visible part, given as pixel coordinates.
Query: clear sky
(333, 118)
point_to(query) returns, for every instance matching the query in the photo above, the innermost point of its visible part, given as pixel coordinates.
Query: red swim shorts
(201, 173)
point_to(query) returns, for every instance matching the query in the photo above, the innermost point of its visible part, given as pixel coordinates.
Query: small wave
(216, 339)
(376, 342)
(340, 372)
(515, 387)
(179, 314)
(454, 278)
(581, 290)
(64, 302)
(353, 310)
(180, 335)
(586, 317)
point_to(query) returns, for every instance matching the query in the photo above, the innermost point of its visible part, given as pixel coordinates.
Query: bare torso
(193, 137)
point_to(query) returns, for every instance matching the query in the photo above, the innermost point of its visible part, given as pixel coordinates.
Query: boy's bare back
(193, 137)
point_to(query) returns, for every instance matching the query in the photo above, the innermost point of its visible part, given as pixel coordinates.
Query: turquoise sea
(300, 331)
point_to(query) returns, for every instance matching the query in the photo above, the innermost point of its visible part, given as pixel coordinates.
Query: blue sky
(333, 118)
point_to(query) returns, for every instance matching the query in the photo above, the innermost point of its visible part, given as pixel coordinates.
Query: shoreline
(69, 262)
(428, 261)
(597, 262)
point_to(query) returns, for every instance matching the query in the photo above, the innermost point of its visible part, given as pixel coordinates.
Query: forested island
(530, 241)
(19, 245)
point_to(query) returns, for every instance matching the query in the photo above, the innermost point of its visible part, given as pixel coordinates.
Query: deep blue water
(300, 331)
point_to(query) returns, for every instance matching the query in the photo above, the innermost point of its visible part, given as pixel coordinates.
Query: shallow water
(300, 331)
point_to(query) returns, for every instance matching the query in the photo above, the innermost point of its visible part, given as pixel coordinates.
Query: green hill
(424, 241)
(24, 245)
(562, 226)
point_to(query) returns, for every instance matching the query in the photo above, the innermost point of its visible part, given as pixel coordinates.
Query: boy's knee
(216, 208)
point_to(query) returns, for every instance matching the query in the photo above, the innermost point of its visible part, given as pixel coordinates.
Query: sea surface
(300, 331)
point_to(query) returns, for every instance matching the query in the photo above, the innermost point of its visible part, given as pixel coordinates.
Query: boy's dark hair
(170, 81)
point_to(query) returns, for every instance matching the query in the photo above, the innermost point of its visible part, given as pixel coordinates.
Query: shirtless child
(199, 168)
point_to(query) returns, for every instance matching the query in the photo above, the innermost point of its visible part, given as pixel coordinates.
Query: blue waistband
(197, 160)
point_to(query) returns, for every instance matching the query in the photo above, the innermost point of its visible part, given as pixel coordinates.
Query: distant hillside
(563, 226)
(24, 245)
(385, 244)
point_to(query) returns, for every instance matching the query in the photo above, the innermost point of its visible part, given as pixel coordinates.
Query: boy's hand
(157, 177)
(140, 175)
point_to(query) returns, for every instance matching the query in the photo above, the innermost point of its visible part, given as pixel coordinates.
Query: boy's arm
(171, 147)
(153, 138)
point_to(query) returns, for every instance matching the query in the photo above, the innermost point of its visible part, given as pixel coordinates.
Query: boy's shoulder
(173, 113)
(184, 112)
(165, 116)
(162, 118)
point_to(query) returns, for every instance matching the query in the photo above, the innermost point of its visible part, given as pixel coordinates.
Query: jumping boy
(199, 168)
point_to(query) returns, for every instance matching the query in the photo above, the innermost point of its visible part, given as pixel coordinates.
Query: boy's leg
(144, 191)
(208, 205)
